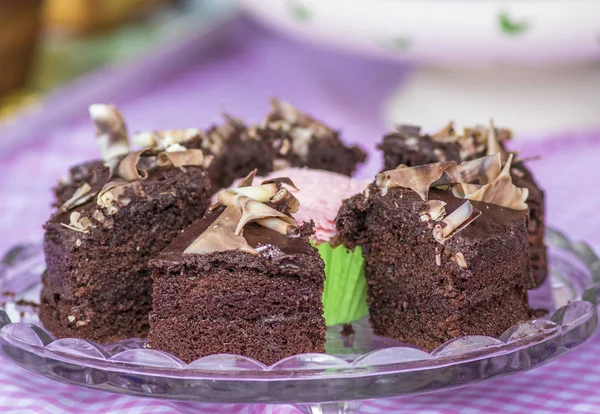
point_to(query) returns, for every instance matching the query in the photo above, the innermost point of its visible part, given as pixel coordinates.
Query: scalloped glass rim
(568, 327)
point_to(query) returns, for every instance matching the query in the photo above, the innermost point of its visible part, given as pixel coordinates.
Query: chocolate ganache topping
(115, 184)
(482, 179)
(267, 204)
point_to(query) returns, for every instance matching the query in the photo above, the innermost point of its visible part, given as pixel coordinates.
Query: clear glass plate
(356, 367)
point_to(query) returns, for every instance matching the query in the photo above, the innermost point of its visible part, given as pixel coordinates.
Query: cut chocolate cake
(445, 248)
(298, 140)
(98, 243)
(242, 280)
(286, 137)
(407, 146)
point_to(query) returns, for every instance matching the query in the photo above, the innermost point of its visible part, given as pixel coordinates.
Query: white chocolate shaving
(220, 235)
(162, 140)
(79, 197)
(419, 178)
(453, 223)
(191, 157)
(435, 211)
(253, 210)
(111, 131)
(502, 192)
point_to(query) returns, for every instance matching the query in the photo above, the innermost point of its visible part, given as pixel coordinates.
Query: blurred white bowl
(444, 32)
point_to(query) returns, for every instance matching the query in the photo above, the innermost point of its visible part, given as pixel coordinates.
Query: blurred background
(359, 65)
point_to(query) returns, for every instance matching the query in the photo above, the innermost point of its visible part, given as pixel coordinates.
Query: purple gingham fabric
(240, 77)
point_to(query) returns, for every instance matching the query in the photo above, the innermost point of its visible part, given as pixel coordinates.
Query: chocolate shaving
(459, 190)
(164, 139)
(435, 211)
(281, 180)
(502, 192)
(191, 157)
(262, 193)
(483, 170)
(249, 179)
(128, 169)
(446, 134)
(453, 223)
(493, 145)
(111, 131)
(220, 236)
(253, 210)
(286, 201)
(81, 196)
(78, 223)
(112, 195)
(419, 178)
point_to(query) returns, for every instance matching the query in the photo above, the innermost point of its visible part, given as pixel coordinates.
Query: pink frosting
(321, 195)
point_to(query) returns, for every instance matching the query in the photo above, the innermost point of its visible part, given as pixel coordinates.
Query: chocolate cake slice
(407, 146)
(445, 261)
(242, 280)
(299, 140)
(97, 245)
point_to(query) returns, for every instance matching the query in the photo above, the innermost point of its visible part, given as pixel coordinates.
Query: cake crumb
(347, 329)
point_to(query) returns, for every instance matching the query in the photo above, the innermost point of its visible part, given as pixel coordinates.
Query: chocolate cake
(242, 280)
(97, 245)
(446, 251)
(298, 140)
(407, 146)
(286, 137)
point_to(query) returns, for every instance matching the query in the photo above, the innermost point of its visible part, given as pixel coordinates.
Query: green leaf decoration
(299, 11)
(512, 27)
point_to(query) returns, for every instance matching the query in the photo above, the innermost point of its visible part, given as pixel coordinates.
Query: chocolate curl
(81, 196)
(247, 181)
(191, 157)
(484, 170)
(111, 195)
(460, 190)
(127, 169)
(446, 134)
(220, 236)
(253, 210)
(282, 180)
(435, 211)
(493, 145)
(502, 192)
(163, 139)
(419, 178)
(111, 131)
(287, 200)
(78, 223)
(262, 193)
(455, 222)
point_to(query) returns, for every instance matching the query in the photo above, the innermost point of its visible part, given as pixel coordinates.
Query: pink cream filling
(321, 194)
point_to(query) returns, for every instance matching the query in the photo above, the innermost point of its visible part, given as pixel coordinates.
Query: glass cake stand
(356, 367)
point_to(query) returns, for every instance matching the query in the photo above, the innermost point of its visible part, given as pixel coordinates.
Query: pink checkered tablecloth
(240, 77)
